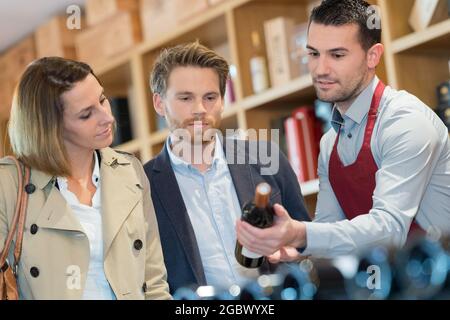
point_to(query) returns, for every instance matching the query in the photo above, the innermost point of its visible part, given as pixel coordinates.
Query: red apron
(354, 184)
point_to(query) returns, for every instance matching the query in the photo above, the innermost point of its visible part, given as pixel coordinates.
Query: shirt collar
(96, 171)
(95, 174)
(358, 109)
(177, 162)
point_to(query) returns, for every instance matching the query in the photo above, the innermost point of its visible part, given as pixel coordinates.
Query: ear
(374, 55)
(158, 104)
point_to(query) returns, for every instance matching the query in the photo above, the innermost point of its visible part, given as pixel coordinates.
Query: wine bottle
(258, 66)
(258, 213)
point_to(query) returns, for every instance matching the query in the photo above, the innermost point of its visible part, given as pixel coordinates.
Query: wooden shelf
(159, 136)
(299, 88)
(409, 55)
(230, 111)
(211, 14)
(198, 22)
(434, 39)
(130, 146)
(113, 63)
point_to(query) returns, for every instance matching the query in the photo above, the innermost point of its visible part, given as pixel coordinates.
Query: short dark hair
(342, 12)
(189, 54)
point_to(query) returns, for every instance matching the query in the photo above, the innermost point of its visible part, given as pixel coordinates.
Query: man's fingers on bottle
(290, 254)
(274, 258)
(280, 211)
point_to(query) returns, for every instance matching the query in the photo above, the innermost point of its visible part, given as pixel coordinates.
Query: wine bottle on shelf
(258, 65)
(258, 213)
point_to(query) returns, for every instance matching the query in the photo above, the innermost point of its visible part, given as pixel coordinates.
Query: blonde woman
(90, 230)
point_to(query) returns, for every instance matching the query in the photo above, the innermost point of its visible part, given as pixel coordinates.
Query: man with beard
(384, 164)
(197, 192)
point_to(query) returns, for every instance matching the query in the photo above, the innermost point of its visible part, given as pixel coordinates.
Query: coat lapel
(168, 192)
(240, 171)
(55, 213)
(120, 193)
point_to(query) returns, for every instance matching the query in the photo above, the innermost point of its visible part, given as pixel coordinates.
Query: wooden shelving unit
(416, 62)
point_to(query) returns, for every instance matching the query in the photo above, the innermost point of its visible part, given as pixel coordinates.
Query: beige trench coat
(55, 258)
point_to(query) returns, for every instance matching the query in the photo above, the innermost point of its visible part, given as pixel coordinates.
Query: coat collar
(108, 157)
(240, 169)
(120, 193)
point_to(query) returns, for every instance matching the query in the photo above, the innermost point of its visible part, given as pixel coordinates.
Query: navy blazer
(181, 253)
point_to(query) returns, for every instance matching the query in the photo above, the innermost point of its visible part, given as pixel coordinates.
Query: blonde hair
(36, 124)
(190, 54)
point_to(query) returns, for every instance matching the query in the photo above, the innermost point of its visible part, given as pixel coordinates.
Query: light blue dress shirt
(411, 148)
(213, 208)
(97, 286)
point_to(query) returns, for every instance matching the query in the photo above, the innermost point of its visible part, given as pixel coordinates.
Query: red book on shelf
(302, 142)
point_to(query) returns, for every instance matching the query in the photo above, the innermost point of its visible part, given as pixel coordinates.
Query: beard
(197, 130)
(342, 93)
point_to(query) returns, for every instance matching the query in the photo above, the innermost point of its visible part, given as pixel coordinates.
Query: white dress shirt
(213, 207)
(97, 286)
(411, 148)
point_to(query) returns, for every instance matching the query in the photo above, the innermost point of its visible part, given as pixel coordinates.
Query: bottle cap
(262, 195)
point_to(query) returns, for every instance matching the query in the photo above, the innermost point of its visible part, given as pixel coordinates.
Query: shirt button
(34, 272)
(34, 229)
(137, 244)
(349, 135)
(30, 188)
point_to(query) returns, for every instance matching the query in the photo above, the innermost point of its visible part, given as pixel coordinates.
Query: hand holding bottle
(285, 232)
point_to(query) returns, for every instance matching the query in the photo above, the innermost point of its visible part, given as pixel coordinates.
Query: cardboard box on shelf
(282, 66)
(427, 12)
(157, 17)
(100, 10)
(6, 95)
(18, 57)
(215, 2)
(109, 38)
(6, 90)
(187, 9)
(54, 38)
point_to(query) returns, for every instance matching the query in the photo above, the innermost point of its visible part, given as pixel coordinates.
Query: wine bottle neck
(262, 195)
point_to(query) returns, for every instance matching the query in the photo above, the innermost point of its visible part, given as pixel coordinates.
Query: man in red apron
(383, 165)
